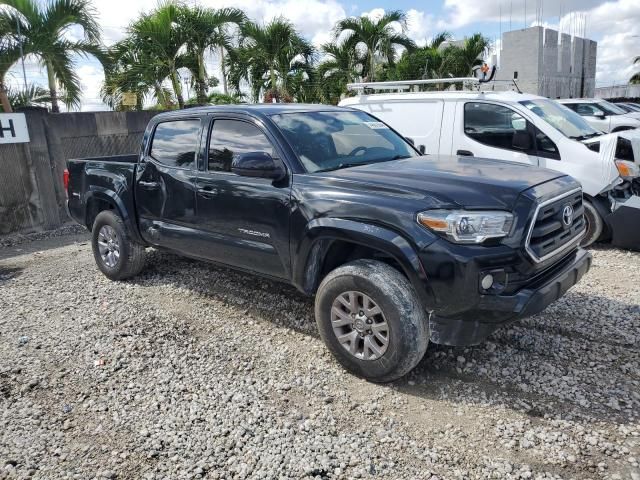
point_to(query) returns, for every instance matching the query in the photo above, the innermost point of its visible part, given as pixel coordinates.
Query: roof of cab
(258, 109)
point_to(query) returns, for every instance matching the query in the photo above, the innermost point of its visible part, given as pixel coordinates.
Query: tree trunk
(372, 73)
(4, 98)
(177, 88)
(201, 81)
(53, 92)
(272, 74)
(223, 71)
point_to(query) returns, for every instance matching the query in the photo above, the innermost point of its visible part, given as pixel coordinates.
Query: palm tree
(459, 61)
(267, 54)
(379, 37)
(43, 28)
(159, 39)
(421, 63)
(130, 69)
(342, 65)
(9, 55)
(206, 29)
(32, 96)
(636, 76)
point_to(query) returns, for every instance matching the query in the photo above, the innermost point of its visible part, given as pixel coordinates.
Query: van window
(492, 125)
(545, 146)
(175, 143)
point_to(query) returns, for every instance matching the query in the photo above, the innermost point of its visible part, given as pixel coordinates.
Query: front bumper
(624, 224)
(487, 313)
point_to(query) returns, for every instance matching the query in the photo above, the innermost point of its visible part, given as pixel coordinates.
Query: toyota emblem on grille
(567, 215)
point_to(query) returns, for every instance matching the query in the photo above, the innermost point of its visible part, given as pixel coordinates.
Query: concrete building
(548, 64)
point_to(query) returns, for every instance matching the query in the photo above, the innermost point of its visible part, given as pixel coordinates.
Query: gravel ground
(194, 371)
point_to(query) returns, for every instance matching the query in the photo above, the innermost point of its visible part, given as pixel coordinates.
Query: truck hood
(467, 182)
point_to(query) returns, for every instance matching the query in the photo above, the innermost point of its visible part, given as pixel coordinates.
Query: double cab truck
(398, 248)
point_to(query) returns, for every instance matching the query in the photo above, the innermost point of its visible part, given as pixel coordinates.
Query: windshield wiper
(584, 137)
(342, 165)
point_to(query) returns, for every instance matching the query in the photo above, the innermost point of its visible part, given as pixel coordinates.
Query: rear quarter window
(175, 143)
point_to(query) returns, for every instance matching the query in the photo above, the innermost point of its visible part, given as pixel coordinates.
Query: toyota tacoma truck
(398, 248)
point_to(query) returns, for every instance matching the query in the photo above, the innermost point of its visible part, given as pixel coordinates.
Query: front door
(165, 184)
(491, 130)
(245, 220)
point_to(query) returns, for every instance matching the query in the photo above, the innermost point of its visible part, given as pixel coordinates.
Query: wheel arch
(329, 243)
(99, 199)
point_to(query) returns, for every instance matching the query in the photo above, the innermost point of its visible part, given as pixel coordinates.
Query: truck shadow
(570, 361)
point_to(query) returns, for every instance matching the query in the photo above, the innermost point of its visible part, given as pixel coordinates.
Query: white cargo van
(602, 115)
(518, 128)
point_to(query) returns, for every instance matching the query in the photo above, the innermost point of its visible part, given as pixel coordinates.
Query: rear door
(492, 130)
(244, 220)
(165, 184)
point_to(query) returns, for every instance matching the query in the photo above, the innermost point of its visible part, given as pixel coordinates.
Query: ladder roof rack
(407, 84)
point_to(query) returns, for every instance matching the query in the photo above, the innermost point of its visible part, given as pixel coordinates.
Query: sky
(615, 25)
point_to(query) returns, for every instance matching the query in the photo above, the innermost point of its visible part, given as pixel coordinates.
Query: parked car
(397, 248)
(518, 128)
(602, 115)
(629, 107)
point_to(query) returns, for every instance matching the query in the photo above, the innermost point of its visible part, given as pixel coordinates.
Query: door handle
(464, 153)
(208, 192)
(149, 185)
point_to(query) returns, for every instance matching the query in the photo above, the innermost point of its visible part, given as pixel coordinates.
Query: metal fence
(31, 191)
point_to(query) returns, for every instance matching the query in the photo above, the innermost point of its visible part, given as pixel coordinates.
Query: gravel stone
(193, 371)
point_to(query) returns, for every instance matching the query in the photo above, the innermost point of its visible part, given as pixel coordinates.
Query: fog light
(487, 282)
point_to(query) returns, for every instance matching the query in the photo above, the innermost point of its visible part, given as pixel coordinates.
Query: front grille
(550, 231)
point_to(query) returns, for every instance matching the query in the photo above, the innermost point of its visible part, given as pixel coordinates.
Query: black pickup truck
(398, 248)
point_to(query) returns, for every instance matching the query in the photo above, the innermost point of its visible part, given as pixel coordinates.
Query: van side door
(244, 221)
(493, 130)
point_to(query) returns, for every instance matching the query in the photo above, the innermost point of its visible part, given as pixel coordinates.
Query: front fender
(320, 233)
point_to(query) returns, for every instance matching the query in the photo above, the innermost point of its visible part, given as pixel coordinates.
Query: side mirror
(601, 116)
(257, 164)
(521, 140)
(422, 149)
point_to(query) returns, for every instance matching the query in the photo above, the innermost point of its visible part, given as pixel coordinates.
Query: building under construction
(548, 63)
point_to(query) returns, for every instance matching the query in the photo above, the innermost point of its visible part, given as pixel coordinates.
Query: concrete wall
(619, 91)
(549, 64)
(31, 191)
(522, 53)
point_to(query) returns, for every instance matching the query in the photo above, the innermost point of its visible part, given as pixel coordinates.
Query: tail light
(65, 179)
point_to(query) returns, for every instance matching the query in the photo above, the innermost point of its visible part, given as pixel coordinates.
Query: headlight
(627, 169)
(462, 226)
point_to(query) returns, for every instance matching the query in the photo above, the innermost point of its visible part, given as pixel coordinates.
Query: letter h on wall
(10, 128)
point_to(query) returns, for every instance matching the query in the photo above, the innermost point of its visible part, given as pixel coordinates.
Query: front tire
(115, 253)
(371, 320)
(595, 224)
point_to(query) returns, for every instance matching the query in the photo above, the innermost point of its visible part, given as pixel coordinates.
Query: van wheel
(371, 320)
(595, 224)
(116, 255)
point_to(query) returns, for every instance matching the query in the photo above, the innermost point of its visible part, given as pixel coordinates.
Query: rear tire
(115, 253)
(383, 329)
(595, 224)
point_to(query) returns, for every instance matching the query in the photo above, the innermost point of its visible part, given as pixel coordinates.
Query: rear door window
(493, 125)
(175, 143)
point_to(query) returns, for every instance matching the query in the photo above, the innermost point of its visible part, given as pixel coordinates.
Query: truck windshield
(566, 121)
(333, 140)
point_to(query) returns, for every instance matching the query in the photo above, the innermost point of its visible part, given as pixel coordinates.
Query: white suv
(522, 128)
(602, 115)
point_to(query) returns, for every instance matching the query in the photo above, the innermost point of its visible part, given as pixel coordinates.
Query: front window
(567, 122)
(493, 125)
(332, 140)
